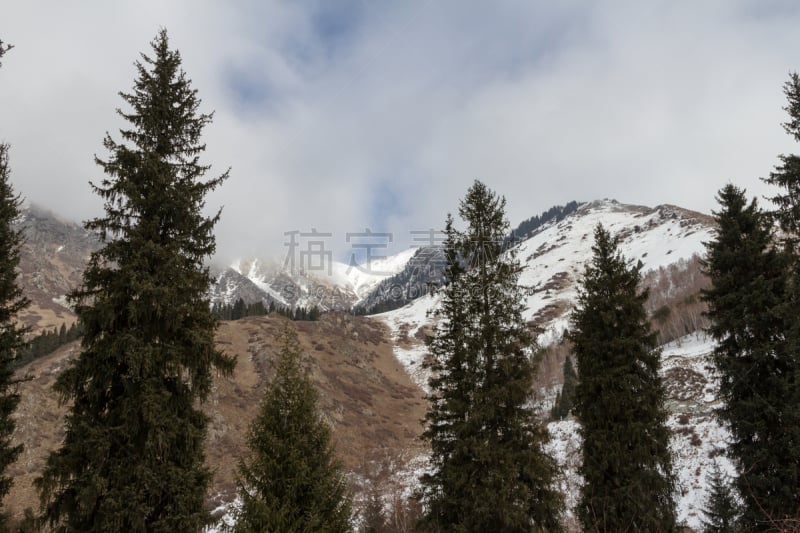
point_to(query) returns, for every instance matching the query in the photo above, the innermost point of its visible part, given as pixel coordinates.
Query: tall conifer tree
(721, 510)
(619, 400)
(757, 369)
(787, 211)
(12, 301)
(12, 335)
(566, 396)
(132, 455)
(490, 472)
(290, 480)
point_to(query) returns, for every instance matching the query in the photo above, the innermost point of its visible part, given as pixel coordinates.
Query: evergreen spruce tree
(489, 471)
(757, 369)
(566, 396)
(555, 411)
(373, 517)
(787, 174)
(722, 510)
(132, 454)
(290, 480)
(619, 400)
(787, 211)
(12, 301)
(12, 339)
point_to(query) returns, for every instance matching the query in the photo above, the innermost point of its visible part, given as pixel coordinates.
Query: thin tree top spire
(4, 48)
(178, 111)
(792, 91)
(786, 175)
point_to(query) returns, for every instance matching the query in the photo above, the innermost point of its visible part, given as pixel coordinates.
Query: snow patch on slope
(406, 325)
(555, 257)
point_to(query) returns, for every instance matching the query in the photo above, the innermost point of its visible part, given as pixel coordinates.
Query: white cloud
(318, 110)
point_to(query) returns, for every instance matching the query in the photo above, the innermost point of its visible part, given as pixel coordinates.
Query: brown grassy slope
(365, 395)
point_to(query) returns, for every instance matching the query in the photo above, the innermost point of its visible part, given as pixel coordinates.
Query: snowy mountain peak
(555, 257)
(329, 284)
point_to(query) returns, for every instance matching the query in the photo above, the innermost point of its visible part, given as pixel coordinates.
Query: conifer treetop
(786, 175)
(164, 145)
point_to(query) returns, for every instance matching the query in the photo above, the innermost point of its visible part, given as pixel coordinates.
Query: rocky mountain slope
(553, 259)
(52, 260)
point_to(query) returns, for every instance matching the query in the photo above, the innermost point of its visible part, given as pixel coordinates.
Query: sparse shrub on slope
(674, 303)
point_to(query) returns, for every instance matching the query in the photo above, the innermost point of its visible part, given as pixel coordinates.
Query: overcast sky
(345, 115)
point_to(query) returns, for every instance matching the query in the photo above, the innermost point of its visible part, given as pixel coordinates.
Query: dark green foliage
(373, 516)
(489, 471)
(787, 174)
(661, 314)
(722, 510)
(240, 310)
(748, 303)
(12, 335)
(566, 396)
(47, 342)
(556, 213)
(619, 400)
(132, 455)
(787, 212)
(290, 480)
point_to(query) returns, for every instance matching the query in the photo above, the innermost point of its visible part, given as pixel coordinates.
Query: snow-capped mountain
(667, 240)
(554, 258)
(330, 285)
(423, 272)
